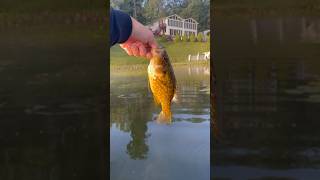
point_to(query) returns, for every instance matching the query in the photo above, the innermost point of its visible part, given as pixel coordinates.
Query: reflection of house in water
(259, 119)
(248, 97)
(285, 29)
(311, 30)
(198, 70)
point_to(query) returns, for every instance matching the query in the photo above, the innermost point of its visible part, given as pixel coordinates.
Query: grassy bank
(178, 52)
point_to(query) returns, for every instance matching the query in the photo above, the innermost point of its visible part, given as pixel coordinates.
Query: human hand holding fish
(141, 41)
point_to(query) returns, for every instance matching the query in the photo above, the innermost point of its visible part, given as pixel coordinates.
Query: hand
(141, 41)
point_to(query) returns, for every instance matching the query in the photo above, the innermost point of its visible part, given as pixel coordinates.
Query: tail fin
(164, 118)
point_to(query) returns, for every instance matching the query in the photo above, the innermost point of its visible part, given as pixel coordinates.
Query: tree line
(35, 6)
(148, 11)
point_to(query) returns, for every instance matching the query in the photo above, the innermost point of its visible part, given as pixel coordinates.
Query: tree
(175, 6)
(200, 10)
(154, 9)
(133, 7)
(116, 3)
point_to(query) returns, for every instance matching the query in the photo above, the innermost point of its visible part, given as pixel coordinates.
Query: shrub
(192, 38)
(185, 38)
(169, 38)
(163, 38)
(177, 38)
(208, 37)
(200, 37)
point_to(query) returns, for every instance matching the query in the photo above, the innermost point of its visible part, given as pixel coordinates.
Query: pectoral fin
(175, 98)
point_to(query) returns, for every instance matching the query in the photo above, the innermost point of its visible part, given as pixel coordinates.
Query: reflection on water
(142, 149)
(267, 99)
(52, 109)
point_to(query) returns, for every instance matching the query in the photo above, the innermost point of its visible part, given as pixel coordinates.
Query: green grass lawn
(177, 51)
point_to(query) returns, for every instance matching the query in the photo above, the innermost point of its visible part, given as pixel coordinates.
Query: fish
(162, 83)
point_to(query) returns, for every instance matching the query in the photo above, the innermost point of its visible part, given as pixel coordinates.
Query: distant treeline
(47, 17)
(266, 7)
(269, 3)
(50, 5)
(148, 11)
(22, 12)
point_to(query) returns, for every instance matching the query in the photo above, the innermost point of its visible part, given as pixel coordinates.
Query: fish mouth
(159, 50)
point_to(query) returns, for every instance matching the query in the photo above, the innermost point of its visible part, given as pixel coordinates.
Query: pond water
(52, 103)
(268, 98)
(141, 149)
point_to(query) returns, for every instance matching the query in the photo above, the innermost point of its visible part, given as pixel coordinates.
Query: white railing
(199, 57)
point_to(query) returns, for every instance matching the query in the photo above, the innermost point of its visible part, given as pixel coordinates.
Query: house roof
(192, 20)
(175, 15)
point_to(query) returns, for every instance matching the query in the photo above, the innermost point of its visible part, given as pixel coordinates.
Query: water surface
(268, 77)
(52, 102)
(140, 148)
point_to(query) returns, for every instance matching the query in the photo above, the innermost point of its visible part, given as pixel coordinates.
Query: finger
(124, 45)
(128, 51)
(149, 55)
(142, 50)
(153, 44)
(134, 50)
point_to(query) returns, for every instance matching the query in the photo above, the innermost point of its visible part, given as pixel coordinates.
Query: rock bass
(162, 83)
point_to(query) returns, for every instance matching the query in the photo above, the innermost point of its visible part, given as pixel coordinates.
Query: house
(174, 24)
(206, 32)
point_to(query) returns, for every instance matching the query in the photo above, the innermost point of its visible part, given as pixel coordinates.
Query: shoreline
(144, 66)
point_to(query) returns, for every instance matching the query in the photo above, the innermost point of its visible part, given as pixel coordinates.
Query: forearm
(120, 26)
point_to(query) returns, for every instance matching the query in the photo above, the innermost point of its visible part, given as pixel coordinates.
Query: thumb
(153, 44)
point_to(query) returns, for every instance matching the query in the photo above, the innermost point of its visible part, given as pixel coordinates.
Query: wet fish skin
(162, 83)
